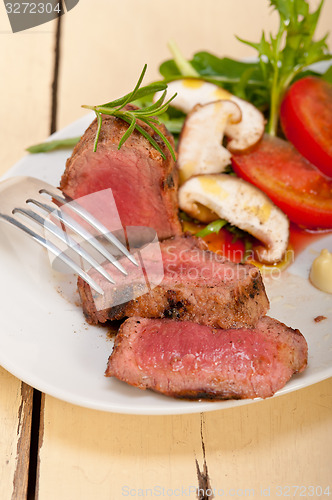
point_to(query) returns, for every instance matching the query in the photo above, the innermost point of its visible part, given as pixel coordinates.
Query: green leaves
(146, 115)
(283, 56)
(328, 75)
(45, 147)
(213, 227)
(243, 79)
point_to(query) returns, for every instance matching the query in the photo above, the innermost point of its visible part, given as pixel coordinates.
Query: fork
(19, 194)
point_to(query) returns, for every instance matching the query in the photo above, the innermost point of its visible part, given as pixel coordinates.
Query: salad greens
(216, 225)
(282, 58)
(44, 147)
(213, 227)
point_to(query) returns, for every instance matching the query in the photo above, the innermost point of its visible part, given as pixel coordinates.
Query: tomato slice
(306, 119)
(224, 244)
(292, 183)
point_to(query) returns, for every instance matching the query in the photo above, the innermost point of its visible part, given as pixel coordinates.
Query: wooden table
(50, 449)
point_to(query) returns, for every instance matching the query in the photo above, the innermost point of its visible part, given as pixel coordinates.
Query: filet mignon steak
(144, 185)
(198, 285)
(188, 360)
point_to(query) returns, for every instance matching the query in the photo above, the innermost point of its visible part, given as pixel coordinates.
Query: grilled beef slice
(187, 360)
(144, 185)
(198, 285)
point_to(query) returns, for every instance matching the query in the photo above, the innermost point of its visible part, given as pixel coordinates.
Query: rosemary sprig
(147, 115)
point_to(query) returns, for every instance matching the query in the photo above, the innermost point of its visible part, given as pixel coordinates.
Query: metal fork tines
(19, 194)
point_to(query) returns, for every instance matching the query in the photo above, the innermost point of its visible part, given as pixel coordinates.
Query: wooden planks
(15, 427)
(26, 67)
(101, 455)
(278, 442)
(26, 72)
(282, 441)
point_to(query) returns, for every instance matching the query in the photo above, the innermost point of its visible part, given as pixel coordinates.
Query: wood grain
(88, 454)
(282, 441)
(25, 92)
(25, 68)
(15, 425)
(21, 476)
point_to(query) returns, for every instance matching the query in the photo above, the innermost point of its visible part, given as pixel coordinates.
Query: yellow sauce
(277, 267)
(321, 271)
(187, 171)
(211, 186)
(220, 93)
(192, 83)
(262, 212)
(203, 213)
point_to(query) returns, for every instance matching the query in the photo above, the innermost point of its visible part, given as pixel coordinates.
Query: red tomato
(292, 183)
(223, 243)
(306, 118)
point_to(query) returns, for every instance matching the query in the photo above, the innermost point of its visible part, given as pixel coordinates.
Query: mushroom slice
(191, 91)
(242, 135)
(241, 204)
(249, 131)
(200, 150)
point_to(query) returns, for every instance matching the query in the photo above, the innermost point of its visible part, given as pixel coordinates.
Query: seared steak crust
(144, 185)
(187, 360)
(198, 286)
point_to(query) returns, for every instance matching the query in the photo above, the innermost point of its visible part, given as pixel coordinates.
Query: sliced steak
(198, 285)
(187, 360)
(144, 185)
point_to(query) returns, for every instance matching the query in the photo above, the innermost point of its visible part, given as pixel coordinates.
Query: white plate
(45, 342)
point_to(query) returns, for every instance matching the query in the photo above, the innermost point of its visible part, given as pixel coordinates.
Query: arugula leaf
(213, 227)
(328, 75)
(240, 78)
(283, 56)
(243, 79)
(169, 70)
(44, 147)
(228, 69)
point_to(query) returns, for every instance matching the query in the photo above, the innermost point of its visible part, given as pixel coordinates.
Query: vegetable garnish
(290, 51)
(306, 119)
(146, 115)
(213, 227)
(298, 188)
(242, 205)
(45, 147)
(282, 59)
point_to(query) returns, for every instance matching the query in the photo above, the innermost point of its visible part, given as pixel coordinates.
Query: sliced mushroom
(200, 150)
(191, 91)
(242, 135)
(241, 204)
(249, 131)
